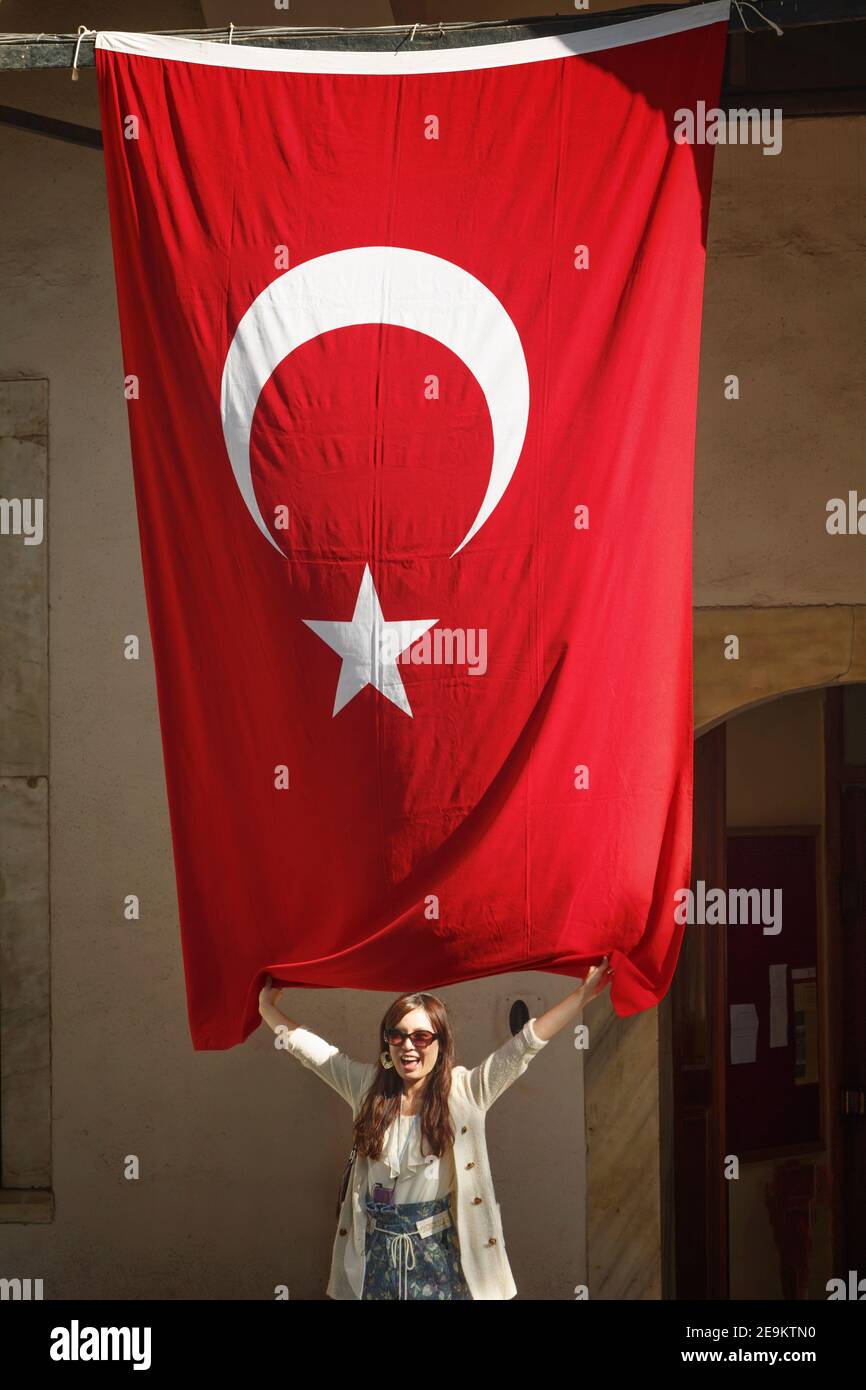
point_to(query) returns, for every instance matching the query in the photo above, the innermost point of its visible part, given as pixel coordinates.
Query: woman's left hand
(569, 1008)
(596, 981)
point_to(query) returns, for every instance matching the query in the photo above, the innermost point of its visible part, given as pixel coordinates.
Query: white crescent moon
(379, 284)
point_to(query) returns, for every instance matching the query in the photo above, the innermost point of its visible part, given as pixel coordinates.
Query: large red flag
(410, 343)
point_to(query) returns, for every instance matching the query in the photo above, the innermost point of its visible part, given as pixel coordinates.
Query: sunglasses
(420, 1038)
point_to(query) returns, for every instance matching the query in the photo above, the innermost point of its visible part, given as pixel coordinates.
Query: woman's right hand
(269, 993)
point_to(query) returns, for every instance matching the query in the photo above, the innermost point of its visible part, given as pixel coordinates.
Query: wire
(237, 31)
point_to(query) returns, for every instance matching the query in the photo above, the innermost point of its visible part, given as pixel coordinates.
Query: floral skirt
(403, 1264)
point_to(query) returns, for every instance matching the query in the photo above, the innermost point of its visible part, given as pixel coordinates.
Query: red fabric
(472, 798)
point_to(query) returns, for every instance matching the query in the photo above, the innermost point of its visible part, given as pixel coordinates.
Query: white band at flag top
(404, 60)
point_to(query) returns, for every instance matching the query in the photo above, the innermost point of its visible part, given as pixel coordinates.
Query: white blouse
(421, 1177)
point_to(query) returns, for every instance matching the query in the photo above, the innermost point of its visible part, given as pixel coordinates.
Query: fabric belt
(402, 1251)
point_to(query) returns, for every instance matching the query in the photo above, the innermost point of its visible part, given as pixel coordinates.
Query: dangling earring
(385, 1059)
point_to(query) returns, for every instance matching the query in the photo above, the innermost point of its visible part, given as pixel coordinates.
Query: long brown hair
(382, 1102)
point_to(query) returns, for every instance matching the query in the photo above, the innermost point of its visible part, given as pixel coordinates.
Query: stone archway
(782, 650)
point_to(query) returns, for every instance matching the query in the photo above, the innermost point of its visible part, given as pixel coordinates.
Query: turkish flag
(410, 342)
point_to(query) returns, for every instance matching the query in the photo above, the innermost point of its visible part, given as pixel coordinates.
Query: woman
(419, 1218)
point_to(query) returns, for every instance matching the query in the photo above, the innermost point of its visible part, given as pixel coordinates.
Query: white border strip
(403, 59)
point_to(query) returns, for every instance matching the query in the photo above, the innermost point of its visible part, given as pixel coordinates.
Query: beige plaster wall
(784, 308)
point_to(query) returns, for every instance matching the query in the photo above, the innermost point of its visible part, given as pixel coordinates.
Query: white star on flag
(369, 647)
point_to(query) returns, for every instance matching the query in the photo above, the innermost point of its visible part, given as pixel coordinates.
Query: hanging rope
(738, 4)
(82, 32)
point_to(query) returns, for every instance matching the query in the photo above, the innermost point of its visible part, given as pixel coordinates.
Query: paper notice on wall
(778, 1006)
(744, 1033)
(805, 1032)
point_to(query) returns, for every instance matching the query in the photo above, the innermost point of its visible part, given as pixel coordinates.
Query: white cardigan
(476, 1210)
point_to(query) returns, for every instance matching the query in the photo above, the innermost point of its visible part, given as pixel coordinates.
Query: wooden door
(696, 1192)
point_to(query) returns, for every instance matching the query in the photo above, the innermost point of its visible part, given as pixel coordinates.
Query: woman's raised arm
(568, 1008)
(274, 1017)
(501, 1069)
(350, 1079)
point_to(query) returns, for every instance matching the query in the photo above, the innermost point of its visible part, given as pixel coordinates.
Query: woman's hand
(567, 1009)
(269, 993)
(596, 981)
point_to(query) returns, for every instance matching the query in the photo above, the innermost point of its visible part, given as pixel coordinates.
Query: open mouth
(409, 1062)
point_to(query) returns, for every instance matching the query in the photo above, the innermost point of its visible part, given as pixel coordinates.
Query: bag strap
(344, 1184)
